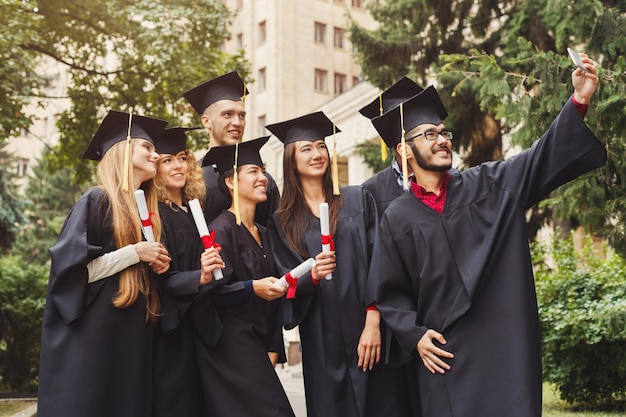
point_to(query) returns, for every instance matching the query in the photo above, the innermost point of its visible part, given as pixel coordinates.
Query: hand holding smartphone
(577, 60)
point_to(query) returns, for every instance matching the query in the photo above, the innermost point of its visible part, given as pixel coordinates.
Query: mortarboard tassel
(383, 145)
(335, 169)
(243, 97)
(125, 174)
(405, 171)
(236, 188)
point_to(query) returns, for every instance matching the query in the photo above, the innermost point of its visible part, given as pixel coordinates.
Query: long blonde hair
(194, 186)
(127, 229)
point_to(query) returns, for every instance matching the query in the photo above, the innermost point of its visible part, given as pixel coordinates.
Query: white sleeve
(112, 263)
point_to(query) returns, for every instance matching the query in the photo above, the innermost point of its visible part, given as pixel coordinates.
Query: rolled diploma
(146, 224)
(203, 230)
(325, 229)
(297, 272)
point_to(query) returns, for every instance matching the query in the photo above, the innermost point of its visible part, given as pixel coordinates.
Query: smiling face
(225, 120)
(312, 158)
(430, 155)
(252, 183)
(173, 171)
(144, 161)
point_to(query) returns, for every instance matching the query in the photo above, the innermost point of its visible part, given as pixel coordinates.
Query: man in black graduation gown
(223, 115)
(386, 185)
(456, 281)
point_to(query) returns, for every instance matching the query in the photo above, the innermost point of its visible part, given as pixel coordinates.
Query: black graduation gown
(467, 273)
(177, 384)
(96, 359)
(331, 316)
(384, 188)
(238, 376)
(216, 201)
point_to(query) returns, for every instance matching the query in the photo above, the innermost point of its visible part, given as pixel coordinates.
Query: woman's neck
(176, 196)
(313, 191)
(246, 212)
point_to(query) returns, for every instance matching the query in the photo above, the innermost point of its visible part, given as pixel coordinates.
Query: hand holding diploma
(144, 216)
(206, 237)
(327, 239)
(290, 279)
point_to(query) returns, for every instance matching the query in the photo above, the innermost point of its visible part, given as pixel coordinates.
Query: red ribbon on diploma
(293, 283)
(147, 222)
(328, 240)
(208, 241)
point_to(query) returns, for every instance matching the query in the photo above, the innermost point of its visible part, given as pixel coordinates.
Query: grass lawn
(8, 408)
(553, 406)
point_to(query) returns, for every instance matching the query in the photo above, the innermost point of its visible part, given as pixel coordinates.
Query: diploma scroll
(327, 239)
(203, 231)
(144, 216)
(290, 279)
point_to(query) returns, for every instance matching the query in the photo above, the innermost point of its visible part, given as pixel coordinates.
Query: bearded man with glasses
(456, 281)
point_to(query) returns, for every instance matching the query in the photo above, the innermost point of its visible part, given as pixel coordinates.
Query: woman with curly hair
(102, 301)
(177, 385)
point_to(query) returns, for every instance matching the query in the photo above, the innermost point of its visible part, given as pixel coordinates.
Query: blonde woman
(177, 385)
(102, 300)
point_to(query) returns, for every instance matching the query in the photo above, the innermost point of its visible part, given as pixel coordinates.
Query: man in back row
(222, 112)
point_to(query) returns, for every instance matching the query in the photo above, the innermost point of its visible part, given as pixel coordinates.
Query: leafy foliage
(582, 306)
(370, 152)
(501, 68)
(50, 197)
(10, 207)
(22, 299)
(135, 56)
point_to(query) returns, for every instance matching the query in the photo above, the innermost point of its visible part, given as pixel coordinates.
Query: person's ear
(206, 122)
(230, 183)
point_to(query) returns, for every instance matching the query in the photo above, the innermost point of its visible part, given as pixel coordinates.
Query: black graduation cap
(173, 140)
(310, 127)
(399, 92)
(225, 87)
(425, 107)
(224, 156)
(115, 128)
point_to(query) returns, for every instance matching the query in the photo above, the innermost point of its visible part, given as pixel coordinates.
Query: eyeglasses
(433, 135)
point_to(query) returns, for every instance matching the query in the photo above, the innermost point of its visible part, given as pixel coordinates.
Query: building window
(339, 1)
(320, 32)
(262, 122)
(338, 37)
(22, 167)
(262, 32)
(356, 3)
(261, 79)
(239, 4)
(321, 81)
(341, 83)
(355, 81)
(240, 41)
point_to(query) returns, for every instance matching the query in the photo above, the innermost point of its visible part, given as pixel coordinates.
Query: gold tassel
(236, 188)
(383, 145)
(335, 169)
(405, 170)
(125, 174)
(243, 97)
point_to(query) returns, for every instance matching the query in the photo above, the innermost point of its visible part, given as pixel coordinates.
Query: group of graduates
(430, 308)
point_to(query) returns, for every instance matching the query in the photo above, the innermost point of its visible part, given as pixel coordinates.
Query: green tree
(582, 304)
(502, 68)
(22, 298)
(50, 196)
(10, 206)
(131, 56)
(19, 81)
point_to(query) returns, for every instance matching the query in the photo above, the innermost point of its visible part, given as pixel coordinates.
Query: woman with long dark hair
(337, 318)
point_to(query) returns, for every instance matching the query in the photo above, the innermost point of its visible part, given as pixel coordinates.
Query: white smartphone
(577, 60)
